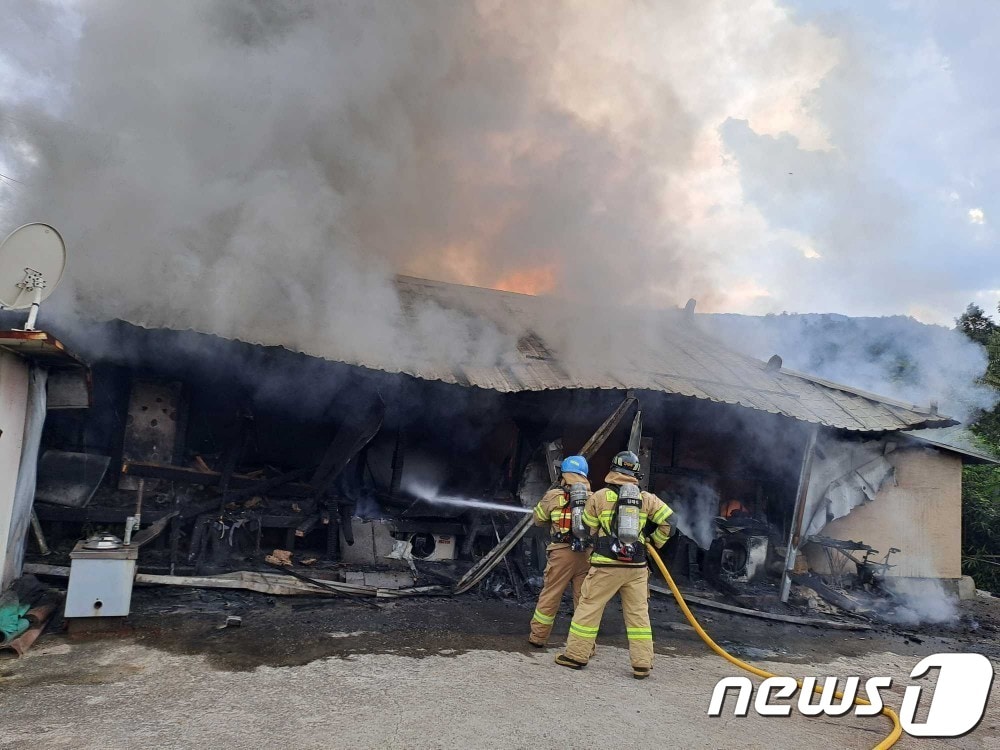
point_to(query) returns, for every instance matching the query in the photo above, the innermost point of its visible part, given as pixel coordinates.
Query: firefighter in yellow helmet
(618, 515)
(568, 553)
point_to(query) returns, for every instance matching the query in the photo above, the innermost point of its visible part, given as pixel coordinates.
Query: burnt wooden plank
(93, 515)
(307, 525)
(154, 530)
(186, 475)
(350, 439)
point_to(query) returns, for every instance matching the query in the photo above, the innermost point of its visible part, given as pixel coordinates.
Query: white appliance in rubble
(432, 547)
(100, 577)
(743, 557)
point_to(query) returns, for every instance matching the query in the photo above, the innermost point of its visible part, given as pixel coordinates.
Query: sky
(759, 156)
(902, 208)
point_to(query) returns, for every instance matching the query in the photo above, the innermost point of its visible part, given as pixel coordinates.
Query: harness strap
(604, 544)
(560, 537)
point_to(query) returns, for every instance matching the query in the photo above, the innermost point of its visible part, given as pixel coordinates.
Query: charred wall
(920, 513)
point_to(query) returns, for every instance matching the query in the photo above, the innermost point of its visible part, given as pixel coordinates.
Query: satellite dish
(32, 260)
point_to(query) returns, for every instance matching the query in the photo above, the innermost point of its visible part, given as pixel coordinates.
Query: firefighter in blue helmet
(618, 514)
(568, 552)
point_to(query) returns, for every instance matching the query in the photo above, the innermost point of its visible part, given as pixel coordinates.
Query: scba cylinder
(629, 505)
(578, 494)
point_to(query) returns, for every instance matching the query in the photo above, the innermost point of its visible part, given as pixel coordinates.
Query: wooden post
(795, 532)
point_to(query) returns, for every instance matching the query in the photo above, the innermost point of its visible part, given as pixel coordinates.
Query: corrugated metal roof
(956, 439)
(680, 359)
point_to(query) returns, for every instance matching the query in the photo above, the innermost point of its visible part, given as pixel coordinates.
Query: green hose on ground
(890, 739)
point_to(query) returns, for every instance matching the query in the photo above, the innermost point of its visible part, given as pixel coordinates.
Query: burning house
(394, 471)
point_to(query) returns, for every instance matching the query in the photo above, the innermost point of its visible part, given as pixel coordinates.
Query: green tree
(981, 484)
(976, 324)
(981, 525)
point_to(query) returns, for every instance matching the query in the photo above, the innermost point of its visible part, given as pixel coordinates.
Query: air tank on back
(629, 505)
(578, 494)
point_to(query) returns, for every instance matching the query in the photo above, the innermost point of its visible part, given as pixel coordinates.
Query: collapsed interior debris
(211, 456)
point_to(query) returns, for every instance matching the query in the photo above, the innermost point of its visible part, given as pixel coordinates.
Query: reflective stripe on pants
(601, 584)
(564, 567)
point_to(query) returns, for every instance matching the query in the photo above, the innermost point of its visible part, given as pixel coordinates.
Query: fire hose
(889, 740)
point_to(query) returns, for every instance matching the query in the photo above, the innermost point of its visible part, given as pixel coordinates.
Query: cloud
(908, 127)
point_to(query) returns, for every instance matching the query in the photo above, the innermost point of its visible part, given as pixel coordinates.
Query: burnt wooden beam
(307, 525)
(63, 514)
(829, 594)
(154, 530)
(234, 452)
(604, 431)
(185, 475)
(268, 486)
(801, 497)
(347, 443)
(93, 515)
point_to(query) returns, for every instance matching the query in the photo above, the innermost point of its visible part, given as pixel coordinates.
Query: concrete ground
(426, 674)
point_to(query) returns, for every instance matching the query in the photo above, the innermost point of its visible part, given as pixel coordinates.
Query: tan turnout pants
(564, 567)
(602, 583)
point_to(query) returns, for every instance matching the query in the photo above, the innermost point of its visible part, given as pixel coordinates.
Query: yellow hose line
(890, 739)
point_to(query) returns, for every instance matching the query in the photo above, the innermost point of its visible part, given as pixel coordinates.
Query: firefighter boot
(564, 661)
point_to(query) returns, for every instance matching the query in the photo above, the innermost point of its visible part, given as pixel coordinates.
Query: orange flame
(531, 281)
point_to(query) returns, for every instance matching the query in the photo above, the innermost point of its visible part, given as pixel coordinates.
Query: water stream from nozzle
(465, 502)
(477, 504)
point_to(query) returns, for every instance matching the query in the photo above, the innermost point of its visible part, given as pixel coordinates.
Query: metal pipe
(133, 522)
(36, 528)
(138, 499)
(795, 532)
(33, 312)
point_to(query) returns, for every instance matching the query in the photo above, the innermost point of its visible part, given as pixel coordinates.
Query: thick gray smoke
(894, 356)
(261, 169)
(250, 169)
(921, 600)
(695, 511)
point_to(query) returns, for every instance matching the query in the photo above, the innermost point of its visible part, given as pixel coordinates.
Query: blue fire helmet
(575, 464)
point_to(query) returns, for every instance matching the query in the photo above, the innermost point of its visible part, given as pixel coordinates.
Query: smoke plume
(920, 600)
(259, 170)
(695, 510)
(892, 356)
